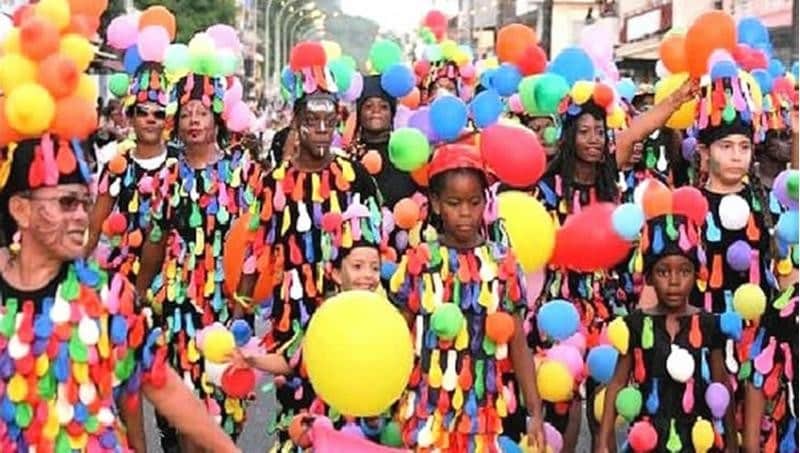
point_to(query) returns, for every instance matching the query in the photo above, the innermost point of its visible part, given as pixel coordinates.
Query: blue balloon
(448, 117)
(558, 319)
(626, 89)
(730, 324)
(724, 69)
(132, 60)
(776, 68)
(487, 78)
(506, 79)
(398, 80)
(388, 269)
(573, 63)
(486, 108)
(287, 78)
(765, 47)
(507, 445)
(602, 360)
(627, 220)
(241, 332)
(787, 227)
(764, 79)
(751, 31)
(796, 70)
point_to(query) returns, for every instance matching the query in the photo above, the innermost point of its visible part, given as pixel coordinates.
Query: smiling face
(148, 123)
(196, 124)
(672, 277)
(360, 269)
(375, 115)
(590, 138)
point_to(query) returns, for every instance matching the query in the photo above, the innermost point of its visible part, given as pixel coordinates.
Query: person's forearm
(795, 152)
(524, 370)
(753, 408)
(134, 423)
(187, 414)
(642, 126)
(272, 363)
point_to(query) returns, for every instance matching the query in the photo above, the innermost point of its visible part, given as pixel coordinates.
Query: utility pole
(547, 26)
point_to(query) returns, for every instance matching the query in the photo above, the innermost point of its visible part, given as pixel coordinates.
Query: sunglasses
(68, 202)
(142, 112)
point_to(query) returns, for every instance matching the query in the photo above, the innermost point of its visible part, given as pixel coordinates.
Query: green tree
(193, 16)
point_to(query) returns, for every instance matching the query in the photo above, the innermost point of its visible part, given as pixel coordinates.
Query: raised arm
(605, 441)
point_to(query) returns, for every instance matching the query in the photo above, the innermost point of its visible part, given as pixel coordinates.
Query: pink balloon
(467, 71)
(239, 117)
(515, 103)
(569, 356)
(225, 37)
(717, 56)
(152, 43)
(232, 96)
(534, 282)
(401, 116)
(553, 438)
(122, 32)
(596, 41)
(577, 340)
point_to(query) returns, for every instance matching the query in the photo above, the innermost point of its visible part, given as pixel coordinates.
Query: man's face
(148, 123)
(316, 122)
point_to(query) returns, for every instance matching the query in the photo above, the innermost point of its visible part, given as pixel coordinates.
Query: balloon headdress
(308, 74)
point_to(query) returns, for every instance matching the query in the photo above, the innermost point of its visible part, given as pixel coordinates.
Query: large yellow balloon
(30, 109)
(619, 335)
(11, 43)
(16, 70)
(581, 91)
(750, 301)
(358, 353)
(449, 49)
(78, 49)
(530, 229)
(54, 11)
(684, 116)
(217, 344)
(702, 435)
(554, 381)
(616, 119)
(87, 88)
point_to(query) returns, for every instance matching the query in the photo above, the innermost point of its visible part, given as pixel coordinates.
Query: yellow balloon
(599, 404)
(449, 49)
(616, 119)
(332, 49)
(755, 90)
(11, 43)
(619, 335)
(56, 12)
(78, 49)
(30, 109)
(530, 229)
(581, 91)
(554, 381)
(16, 70)
(461, 58)
(491, 63)
(684, 116)
(749, 301)
(217, 344)
(87, 88)
(702, 435)
(358, 353)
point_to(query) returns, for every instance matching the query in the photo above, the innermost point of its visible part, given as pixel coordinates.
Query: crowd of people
(565, 247)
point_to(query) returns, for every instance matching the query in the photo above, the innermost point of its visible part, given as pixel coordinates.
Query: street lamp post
(266, 41)
(291, 25)
(278, 55)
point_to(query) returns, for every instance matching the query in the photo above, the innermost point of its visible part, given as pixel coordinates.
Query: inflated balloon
(176, 58)
(626, 89)
(738, 256)
(642, 437)
(448, 116)
(629, 403)
(690, 202)
(55, 11)
(408, 149)
(764, 78)
(38, 38)
(16, 70)
(225, 37)
(398, 80)
(752, 31)
(532, 61)
(356, 87)
(239, 118)
(569, 356)
(749, 301)
(619, 335)
(616, 119)
(531, 231)
(342, 74)
(512, 42)
(506, 79)
(684, 116)
(420, 120)
(599, 404)
(657, 199)
(717, 398)
(383, 54)
(7, 134)
(680, 364)
(787, 227)
(131, 61)
(217, 344)
(436, 22)
(118, 84)
(513, 154)
(554, 381)
(152, 43)
(700, 43)
(603, 95)
(573, 64)
(411, 100)
(734, 211)
(159, 16)
(702, 435)
(558, 319)
(75, 117)
(628, 219)
(689, 148)
(406, 213)
(447, 321)
(122, 31)
(601, 361)
(486, 108)
(88, 7)
(549, 91)
(30, 109)
(672, 53)
(78, 49)
(581, 91)
(587, 240)
(345, 353)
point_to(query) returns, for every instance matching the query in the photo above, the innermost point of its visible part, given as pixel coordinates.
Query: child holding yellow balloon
(672, 353)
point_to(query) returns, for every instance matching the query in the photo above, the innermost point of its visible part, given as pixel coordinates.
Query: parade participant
(546, 128)
(673, 358)
(315, 204)
(776, 152)
(197, 198)
(92, 362)
(464, 295)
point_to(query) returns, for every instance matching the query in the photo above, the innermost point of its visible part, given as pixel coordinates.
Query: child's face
(360, 270)
(729, 158)
(460, 206)
(672, 277)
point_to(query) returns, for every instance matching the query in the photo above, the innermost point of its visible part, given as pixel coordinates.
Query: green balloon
(728, 114)
(342, 73)
(118, 84)
(447, 321)
(550, 90)
(408, 149)
(793, 184)
(629, 403)
(177, 58)
(228, 63)
(350, 61)
(383, 54)
(527, 94)
(390, 436)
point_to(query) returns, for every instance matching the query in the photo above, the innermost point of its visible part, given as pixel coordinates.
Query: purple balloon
(717, 399)
(553, 438)
(401, 240)
(781, 192)
(402, 116)
(421, 119)
(356, 86)
(738, 256)
(351, 429)
(688, 148)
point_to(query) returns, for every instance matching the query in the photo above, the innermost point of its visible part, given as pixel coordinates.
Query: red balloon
(38, 38)
(690, 202)
(642, 437)
(513, 154)
(307, 54)
(421, 68)
(84, 25)
(238, 382)
(603, 95)
(587, 240)
(512, 42)
(701, 42)
(22, 14)
(758, 60)
(741, 53)
(436, 21)
(92, 8)
(533, 60)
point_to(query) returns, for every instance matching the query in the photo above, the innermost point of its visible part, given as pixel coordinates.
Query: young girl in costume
(672, 353)
(464, 295)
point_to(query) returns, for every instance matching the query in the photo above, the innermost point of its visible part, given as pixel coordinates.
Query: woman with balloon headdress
(198, 196)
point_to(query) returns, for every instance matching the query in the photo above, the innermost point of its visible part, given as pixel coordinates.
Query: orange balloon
(349, 129)
(420, 176)
(117, 164)
(92, 8)
(372, 161)
(59, 75)
(512, 42)
(711, 31)
(234, 254)
(75, 118)
(672, 52)
(38, 38)
(412, 100)
(500, 327)
(406, 213)
(83, 25)
(657, 199)
(158, 15)
(7, 135)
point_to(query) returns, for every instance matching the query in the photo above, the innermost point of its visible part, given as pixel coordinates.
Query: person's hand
(536, 433)
(686, 92)
(795, 120)
(239, 359)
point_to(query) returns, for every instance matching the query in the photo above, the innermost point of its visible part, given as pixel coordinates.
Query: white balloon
(638, 192)
(680, 364)
(733, 212)
(661, 70)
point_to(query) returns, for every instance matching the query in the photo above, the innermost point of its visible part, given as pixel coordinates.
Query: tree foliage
(193, 16)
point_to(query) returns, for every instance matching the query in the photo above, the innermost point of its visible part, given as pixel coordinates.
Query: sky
(389, 14)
